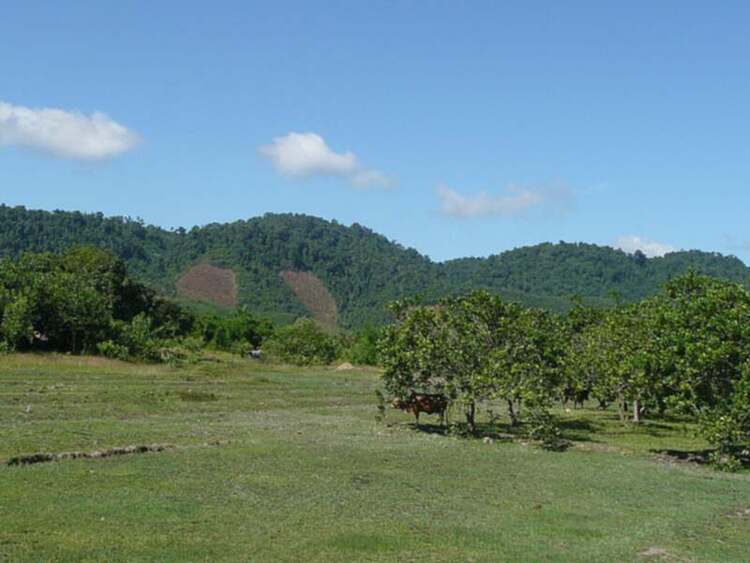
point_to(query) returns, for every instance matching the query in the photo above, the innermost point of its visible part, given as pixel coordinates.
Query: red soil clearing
(209, 283)
(312, 294)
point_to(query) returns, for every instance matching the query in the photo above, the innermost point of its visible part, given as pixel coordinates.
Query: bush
(303, 343)
(17, 327)
(725, 461)
(178, 351)
(113, 350)
(363, 348)
(239, 332)
(541, 427)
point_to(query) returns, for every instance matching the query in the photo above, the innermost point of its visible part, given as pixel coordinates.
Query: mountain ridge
(363, 270)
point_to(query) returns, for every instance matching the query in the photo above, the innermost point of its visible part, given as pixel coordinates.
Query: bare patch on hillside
(312, 294)
(205, 282)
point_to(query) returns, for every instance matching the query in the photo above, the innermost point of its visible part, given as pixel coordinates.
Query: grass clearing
(280, 464)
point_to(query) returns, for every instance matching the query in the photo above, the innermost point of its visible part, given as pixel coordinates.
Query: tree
(412, 350)
(703, 348)
(17, 323)
(615, 357)
(303, 343)
(473, 348)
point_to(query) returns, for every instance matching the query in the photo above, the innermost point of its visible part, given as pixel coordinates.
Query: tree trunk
(622, 407)
(512, 413)
(471, 417)
(636, 411)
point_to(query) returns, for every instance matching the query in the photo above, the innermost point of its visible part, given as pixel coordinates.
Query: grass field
(289, 464)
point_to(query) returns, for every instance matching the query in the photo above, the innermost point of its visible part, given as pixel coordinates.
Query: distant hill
(288, 265)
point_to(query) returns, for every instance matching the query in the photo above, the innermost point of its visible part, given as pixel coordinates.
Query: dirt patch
(313, 295)
(208, 283)
(654, 552)
(346, 366)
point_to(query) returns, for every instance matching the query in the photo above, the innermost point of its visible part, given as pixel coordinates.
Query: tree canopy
(363, 270)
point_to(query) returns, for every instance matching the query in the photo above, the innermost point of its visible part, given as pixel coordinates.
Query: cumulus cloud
(303, 155)
(651, 248)
(63, 133)
(515, 201)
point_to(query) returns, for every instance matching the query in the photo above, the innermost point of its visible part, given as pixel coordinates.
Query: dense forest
(361, 269)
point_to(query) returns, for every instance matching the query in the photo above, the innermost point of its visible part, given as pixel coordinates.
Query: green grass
(288, 464)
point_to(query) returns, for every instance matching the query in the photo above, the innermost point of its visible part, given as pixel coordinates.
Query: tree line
(684, 352)
(86, 301)
(364, 271)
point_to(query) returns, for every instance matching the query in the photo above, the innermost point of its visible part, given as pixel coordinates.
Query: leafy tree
(413, 351)
(703, 349)
(78, 300)
(17, 323)
(363, 270)
(241, 330)
(303, 343)
(363, 347)
(471, 349)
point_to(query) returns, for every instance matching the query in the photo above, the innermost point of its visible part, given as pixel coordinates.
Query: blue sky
(458, 128)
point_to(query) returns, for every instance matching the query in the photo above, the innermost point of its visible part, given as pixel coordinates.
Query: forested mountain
(360, 269)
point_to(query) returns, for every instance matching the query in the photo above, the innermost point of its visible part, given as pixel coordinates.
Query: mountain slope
(360, 269)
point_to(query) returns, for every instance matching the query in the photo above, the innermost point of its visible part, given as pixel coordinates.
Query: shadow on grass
(496, 432)
(701, 457)
(578, 430)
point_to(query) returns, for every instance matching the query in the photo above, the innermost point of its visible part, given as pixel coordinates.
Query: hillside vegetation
(362, 270)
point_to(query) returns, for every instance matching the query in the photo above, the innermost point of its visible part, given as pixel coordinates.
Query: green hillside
(361, 269)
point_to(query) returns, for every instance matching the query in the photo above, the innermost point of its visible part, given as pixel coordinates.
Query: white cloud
(651, 248)
(303, 155)
(63, 133)
(514, 202)
(368, 177)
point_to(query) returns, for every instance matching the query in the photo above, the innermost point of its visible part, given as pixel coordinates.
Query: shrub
(113, 350)
(725, 461)
(303, 343)
(541, 426)
(363, 347)
(17, 327)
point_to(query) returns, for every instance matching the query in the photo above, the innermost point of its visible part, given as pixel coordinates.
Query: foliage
(362, 348)
(83, 301)
(113, 350)
(686, 350)
(17, 325)
(240, 331)
(303, 343)
(541, 426)
(363, 270)
(473, 349)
